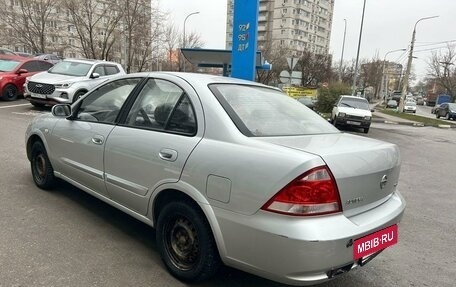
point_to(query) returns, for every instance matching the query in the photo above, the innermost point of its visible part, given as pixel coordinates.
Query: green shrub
(327, 97)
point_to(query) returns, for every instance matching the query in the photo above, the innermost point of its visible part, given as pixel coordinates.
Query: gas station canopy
(214, 58)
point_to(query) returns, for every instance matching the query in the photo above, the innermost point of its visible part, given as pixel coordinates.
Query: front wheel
(186, 243)
(437, 115)
(42, 171)
(9, 93)
(366, 130)
(78, 95)
(447, 116)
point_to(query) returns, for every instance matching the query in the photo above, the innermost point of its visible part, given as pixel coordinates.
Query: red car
(14, 70)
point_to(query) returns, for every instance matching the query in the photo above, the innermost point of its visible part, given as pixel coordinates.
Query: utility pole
(355, 77)
(343, 48)
(409, 65)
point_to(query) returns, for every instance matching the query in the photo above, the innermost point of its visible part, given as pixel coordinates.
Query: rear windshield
(259, 111)
(8, 65)
(71, 69)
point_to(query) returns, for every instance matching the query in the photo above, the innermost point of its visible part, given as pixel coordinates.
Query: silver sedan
(228, 172)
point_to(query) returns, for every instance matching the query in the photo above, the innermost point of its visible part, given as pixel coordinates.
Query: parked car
(309, 102)
(24, 54)
(420, 101)
(5, 51)
(13, 72)
(68, 80)
(435, 109)
(391, 104)
(177, 151)
(447, 110)
(352, 111)
(410, 107)
(51, 58)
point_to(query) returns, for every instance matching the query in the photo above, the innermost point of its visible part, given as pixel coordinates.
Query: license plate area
(39, 96)
(375, 242)
(353, 123)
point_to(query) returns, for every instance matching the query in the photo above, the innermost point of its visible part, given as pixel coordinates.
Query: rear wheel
(42, 171)
(9, 93)
(186, 243)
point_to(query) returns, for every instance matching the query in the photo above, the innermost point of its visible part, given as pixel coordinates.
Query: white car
(68, 80)
(410, 107)
(352, 111)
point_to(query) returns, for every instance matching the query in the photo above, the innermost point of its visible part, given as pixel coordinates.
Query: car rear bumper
(297, 250)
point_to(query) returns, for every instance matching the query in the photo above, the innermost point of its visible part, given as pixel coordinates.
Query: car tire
(185, 242)
(78, 95)
(42, 171)
(447, 116)
(335, 122)
(9, 93)
(437, 115)
(366, 130)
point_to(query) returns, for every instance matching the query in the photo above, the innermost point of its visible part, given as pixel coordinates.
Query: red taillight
(313, 193)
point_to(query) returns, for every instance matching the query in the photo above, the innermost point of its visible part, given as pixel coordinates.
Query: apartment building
(299, 25)
(22, 30)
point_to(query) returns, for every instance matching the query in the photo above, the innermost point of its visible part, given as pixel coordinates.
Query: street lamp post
(355, 77)
(184, 40)
(409, 64)
(385, 83)
(343, 48)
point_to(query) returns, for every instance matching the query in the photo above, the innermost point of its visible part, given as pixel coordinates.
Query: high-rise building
(299, 25)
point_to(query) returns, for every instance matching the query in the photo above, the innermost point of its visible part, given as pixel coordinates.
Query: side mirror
(61, 110)
(94, 76)
(22, 71)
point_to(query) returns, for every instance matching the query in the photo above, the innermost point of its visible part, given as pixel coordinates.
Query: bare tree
(96, 24)
(171, 41)
(315, 68)
(274, 53)
(192, 40)
(441, 67)
(371, 74)
(29, 22)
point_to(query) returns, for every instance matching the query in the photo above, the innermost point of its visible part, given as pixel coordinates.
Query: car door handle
(168, 154)
(98, 140)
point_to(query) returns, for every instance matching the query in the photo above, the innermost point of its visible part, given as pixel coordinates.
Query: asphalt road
(68, 238)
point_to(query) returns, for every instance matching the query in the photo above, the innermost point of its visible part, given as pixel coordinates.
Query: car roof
(89, 61)
(15, 58)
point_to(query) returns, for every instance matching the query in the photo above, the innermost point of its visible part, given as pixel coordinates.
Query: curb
(414, 124)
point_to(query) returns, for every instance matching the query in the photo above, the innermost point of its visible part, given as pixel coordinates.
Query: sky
(388, 25)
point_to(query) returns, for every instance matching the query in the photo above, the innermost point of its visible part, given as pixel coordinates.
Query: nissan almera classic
(228, 172)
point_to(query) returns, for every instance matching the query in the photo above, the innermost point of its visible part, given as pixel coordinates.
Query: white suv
(352, 111)
(68, 80)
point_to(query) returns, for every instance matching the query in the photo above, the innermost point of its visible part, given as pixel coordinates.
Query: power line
(435, 43)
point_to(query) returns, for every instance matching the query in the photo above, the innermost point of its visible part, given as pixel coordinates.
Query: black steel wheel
(9, 93)
(186, 243)
(42, 171)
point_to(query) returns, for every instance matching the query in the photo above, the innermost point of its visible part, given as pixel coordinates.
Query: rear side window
(32, 66)
(111, 70)
(260, 111)
(163, 106)
(44, 66)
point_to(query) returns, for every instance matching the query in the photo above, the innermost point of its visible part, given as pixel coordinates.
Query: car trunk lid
(366, 170)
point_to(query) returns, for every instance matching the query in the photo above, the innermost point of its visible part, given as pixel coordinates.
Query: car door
(31, 67)
(153, 143)
(78, 143)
